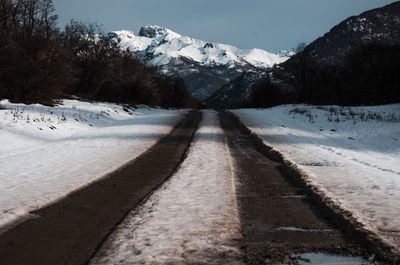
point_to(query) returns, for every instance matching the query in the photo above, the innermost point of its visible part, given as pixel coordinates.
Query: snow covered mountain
(204, 66)
(160, 45)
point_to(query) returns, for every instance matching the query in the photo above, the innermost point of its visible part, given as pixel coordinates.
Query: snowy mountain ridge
(159, 46)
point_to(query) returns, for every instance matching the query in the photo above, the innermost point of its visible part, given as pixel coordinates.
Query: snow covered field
(48, 152)
(351, 154)
(193, 218)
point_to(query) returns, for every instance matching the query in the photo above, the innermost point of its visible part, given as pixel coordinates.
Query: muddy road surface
(202, 195)
(279, 222)
(192, 219)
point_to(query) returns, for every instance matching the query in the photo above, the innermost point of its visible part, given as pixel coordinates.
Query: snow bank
(48, 152)
(192, 219)
(351, 154)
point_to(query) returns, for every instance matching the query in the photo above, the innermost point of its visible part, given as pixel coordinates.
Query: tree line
(369, 75)
(40, 63)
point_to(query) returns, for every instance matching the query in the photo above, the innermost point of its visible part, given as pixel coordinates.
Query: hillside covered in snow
(205, 67)
(160, 45)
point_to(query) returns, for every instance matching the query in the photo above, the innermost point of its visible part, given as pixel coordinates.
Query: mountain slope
(238, 91)
(380, 25)
(354, 63)
(204, 66)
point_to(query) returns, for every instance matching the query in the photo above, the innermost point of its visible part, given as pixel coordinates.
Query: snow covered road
(351, 154)
(48, 152)
(220, 204)
(192, 218)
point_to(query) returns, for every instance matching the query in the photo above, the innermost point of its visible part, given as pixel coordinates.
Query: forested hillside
(355, 63)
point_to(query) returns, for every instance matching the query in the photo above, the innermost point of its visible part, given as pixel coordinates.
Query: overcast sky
(272, 25)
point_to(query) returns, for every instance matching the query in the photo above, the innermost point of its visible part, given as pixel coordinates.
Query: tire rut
(71, 230)
(279, 219)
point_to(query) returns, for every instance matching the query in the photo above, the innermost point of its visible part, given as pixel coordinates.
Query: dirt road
(192, 219)
(224, 203)
(278, 219)
(71, 230)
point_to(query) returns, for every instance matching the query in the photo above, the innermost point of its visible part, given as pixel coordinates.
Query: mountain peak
(154, 32)
(160, 45)
(204, 66)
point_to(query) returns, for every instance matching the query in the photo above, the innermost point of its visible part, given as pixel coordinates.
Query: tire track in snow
(71, 230)
(192, 218)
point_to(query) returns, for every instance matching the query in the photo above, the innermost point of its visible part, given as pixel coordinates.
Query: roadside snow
(193, 218)
(48, 152)
(351, 154)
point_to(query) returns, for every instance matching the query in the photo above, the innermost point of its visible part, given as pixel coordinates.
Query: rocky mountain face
(204, 66)
(204, 80)
(381, 25)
